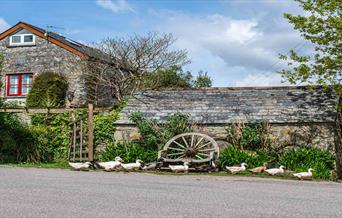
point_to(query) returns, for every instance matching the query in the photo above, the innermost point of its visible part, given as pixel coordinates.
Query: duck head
(282, 167)
(310, 170)
(118, 159)
(186, 163)
(139, 161)
(88, 163)
(243, 165)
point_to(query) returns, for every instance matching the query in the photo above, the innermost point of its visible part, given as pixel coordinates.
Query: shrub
(250, 136)
(155, 134)
(21, 143)
(234, 156)
(104, 127)
(301, 159)
(129, 153)
(48, 90)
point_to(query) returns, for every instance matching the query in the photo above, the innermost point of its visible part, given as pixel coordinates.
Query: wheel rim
(191, 146)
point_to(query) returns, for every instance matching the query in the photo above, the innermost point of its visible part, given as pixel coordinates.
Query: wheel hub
(190, 152)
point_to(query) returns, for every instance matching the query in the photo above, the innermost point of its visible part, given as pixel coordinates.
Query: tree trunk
(338, 141)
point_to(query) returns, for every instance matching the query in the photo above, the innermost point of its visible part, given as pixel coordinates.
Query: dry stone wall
(298, 115)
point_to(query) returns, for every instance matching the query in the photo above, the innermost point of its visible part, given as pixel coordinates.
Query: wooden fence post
(91, 132)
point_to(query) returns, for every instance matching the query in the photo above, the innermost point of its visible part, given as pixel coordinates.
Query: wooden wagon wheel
(192, 147)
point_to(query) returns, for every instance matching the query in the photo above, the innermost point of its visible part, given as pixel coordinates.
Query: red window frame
(19, 85)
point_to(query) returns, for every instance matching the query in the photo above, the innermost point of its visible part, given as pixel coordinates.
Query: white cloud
(235, 50)
(115, 6)
(271, 79)
(3, 25)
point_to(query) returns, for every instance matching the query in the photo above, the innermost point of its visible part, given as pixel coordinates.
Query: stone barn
(297, 115)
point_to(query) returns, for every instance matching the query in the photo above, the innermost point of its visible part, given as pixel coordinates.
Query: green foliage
(155, 134)
(203, 80)
(21, 143)
(171, 78)
(48, 90)
(129, 153)
(57, 127)
(234, 156)
(104, 127)
(299, 160)
(321, 25)
(250, 136)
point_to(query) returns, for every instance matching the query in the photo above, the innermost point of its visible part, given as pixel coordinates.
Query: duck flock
(272, 171)
(118, 165)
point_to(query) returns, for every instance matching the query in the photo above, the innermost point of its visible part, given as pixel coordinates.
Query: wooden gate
(82, 137)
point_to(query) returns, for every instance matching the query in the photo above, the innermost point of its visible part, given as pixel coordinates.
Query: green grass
(56, 165)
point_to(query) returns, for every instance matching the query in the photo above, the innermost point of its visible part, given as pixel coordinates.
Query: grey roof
(87, 50)
(225, 105)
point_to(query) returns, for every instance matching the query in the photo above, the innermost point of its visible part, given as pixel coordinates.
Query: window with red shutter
(19, 84)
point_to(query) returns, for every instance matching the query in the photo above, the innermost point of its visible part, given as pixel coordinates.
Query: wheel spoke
(186, 143)
(199, 157)
(173, 154)
(210, 149)
(199, 142)
(192, 140)
(178, 144)
(202, 146)
(203, 154)
(176, 149)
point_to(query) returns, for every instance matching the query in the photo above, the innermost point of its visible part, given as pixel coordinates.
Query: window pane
(16, 39)
(26, 79)
(14, 79)
(13, 90)
(25, 89)
(28, 38)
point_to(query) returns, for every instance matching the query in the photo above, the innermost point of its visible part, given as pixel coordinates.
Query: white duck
(110, 165)
(180, 168)
(235, 169)
(80, 166)
(132, 166)
(275, 171)
(304, 175)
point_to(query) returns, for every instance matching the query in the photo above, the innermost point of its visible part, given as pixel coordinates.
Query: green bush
(155, 134)
(301, 159)
(48, 90)
(22, 143)
(233, 156)
(129, 153)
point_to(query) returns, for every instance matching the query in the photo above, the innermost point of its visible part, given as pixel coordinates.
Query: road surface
(28, 192)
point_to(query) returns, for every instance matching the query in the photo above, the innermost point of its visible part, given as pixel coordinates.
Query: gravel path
(28, 192)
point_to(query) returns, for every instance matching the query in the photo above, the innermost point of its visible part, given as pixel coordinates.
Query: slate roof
(89, 51)
(225, 105)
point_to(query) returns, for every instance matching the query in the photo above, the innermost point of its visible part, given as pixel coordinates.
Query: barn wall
(298, 115)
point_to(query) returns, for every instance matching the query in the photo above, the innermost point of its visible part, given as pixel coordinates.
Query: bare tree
(121, 73)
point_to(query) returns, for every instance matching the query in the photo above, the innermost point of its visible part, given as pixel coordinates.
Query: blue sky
(236, 41)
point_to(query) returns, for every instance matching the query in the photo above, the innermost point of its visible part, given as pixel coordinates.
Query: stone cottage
(29, 50)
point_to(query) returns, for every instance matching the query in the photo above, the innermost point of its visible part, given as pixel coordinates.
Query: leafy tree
(203, 80)
(170, 78)
(322, 26)
(48, 90)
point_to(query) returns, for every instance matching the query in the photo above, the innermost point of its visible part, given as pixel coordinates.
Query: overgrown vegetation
(155, 134)
(48, 90)
(297, 160)
(250, 136)
(129, 153)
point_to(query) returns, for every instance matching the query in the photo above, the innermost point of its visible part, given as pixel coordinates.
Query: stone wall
(42, 57)
(297, 115)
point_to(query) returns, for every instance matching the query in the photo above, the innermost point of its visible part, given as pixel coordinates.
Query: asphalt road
(26, 192)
